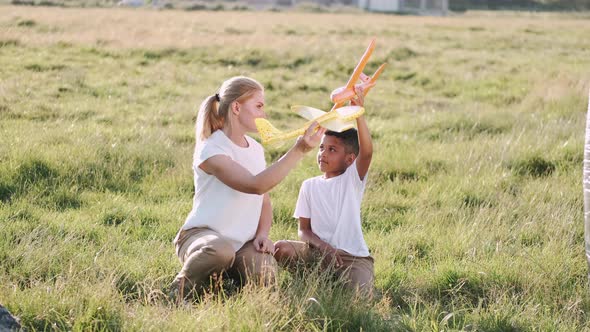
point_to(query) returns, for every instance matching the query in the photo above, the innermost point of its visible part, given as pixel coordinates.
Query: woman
(228, 227)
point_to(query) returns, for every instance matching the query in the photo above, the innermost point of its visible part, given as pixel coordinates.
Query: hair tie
(217, 97)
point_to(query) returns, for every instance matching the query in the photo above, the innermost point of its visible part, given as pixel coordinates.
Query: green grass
(473, 211)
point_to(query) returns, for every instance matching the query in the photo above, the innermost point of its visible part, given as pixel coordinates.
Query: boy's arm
(363, 160)
(307, 235)
(261, 242)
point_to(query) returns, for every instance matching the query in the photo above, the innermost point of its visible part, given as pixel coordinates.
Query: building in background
(422, 7)
(429, 7)
(296, 2)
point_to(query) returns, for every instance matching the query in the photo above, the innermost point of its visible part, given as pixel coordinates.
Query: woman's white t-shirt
(231, 213)
(334, 207)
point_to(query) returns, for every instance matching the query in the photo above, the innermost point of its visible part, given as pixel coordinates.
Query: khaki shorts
(358, 272)
(204, 252)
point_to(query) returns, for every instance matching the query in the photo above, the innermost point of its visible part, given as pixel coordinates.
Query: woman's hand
(311, 138)
(264, 244)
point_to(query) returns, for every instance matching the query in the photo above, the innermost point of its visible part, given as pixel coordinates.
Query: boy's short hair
(349, 138)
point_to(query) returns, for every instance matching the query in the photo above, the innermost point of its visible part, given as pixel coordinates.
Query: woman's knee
(221, 252)
(260, 268)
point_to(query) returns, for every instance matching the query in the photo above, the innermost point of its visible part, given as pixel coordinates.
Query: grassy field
(473, 212)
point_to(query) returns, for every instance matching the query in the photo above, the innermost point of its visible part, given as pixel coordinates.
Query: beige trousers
(205, 253)
(357, 272)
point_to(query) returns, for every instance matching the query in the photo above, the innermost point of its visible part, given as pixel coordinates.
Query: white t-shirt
(231, 213)
(334, 207)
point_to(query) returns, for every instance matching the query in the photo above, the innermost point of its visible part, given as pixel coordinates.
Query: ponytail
(215, 110)
(209, 116)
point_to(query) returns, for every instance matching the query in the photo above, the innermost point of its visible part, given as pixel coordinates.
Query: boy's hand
(333, 256)
(264, 244)
(359, 100)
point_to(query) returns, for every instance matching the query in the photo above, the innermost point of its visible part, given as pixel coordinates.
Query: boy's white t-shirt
(231, 213)
(334, 207)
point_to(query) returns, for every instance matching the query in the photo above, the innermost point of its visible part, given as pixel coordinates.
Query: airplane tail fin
(268, 133)
(307, 112)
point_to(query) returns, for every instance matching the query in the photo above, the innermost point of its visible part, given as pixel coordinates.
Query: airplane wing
(361, 65)
(338, 125)
(307, 112)
(373, 80)
(345, 120)
(349, 113)
(378, 72)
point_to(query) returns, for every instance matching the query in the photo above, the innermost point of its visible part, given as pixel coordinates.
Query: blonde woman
(228, 227)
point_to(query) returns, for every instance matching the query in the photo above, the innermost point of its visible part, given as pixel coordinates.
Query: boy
(329, 208)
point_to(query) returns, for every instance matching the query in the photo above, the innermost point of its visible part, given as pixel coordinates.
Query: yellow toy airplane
(339, 118)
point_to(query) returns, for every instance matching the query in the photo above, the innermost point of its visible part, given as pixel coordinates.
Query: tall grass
(473, 211)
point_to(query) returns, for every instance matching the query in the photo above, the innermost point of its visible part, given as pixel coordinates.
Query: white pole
(586, 185)
(445, 7)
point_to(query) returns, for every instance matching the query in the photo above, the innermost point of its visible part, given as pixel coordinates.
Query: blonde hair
(214, 111)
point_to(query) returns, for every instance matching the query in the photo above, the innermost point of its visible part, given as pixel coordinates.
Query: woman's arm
(261, 242)
(239, 178)
(306, 234)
